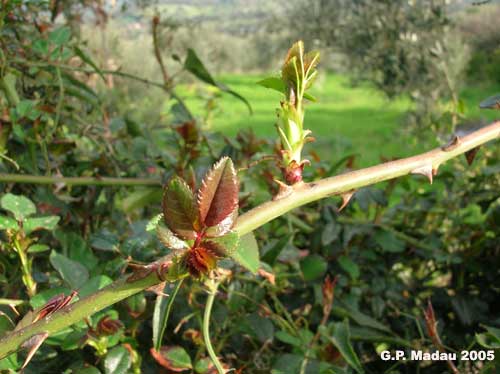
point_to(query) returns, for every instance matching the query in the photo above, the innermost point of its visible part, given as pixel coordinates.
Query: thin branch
(156, 46)
(88, 71)
(78, 181)
(248, 222)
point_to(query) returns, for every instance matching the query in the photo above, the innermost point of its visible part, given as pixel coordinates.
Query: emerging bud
(200, 261)
(293, 172)
(328, 290)
(430, 321)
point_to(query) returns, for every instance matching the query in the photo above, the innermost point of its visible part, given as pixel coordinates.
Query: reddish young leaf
(108, 326)
(179, 208)
(54, 304)
(224, 226)
(218, 194)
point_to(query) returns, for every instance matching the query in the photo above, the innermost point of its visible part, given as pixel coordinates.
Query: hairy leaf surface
(218, 194)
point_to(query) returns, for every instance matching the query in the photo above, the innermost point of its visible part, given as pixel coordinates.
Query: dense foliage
(334, 289)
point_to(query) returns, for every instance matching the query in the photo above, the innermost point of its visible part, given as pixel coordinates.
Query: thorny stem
(212, 291)
(304, 193)
(246, 223)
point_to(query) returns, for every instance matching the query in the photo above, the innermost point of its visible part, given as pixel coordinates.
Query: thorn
(158, 289)
(32, 344)
(452, 144)
(427, 171)
(284, 190)
(470, 155)
(346, 197)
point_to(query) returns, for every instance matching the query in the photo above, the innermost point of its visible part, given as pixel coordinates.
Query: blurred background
(387, 67)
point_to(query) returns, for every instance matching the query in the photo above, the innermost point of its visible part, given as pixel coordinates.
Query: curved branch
(251, 220)
(307, 192)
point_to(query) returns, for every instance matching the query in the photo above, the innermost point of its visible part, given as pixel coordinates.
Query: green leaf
(85, 58)
(40, 223)
(285, 337)
(260, 327)
(349, 266)
(203, 366)
(6, 323)
(330, 233)
(344, 310)
(154, 222)
(247, 253)
(76, 248)
(163, 306)
(271, 255)
(20, 206)
(117, 361)
(26, 108)
(194, 65)
(366, 334)
(7, 223)
(179, 209)
(168, 239)
(94, 285)
(310, 97)
(489, 339)
(274, 83)
(287, 364)
(225, 245)
(174, 358)
(72, 272)
(37, 248)
(60, 35)
(10, 363)
(140, 198)
(218, 194)
(313, 267)
(341, 340)
(104, 240)
(388, 242)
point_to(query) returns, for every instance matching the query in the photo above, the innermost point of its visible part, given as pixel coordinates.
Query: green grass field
(345, 119)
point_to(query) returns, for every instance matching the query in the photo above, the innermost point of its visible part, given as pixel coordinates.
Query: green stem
(212, 291)
(9, 90)
(246, 223)
(28, 280)
(60, 99)
(78, 181)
